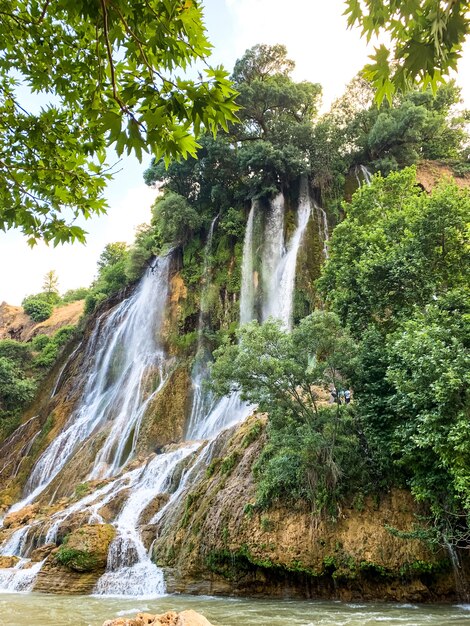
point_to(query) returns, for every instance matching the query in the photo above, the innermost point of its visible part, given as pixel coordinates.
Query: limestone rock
(8, 561)
(185, 618)
(18, 518)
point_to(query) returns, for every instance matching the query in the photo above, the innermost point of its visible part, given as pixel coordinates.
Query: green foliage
(16, 390)
(309, 446)
(426, 41)
(50, 349)
(16, 351)
(112, 274)
(77, 560)
(429, 370)
(253, 434)
(38, 307)
(397, 248)
(72, 295)
(227, 465)
(147, 244)
(121, 89)
(398, 276)
(175, 219)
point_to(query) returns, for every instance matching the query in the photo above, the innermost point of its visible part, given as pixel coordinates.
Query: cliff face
(217, 542)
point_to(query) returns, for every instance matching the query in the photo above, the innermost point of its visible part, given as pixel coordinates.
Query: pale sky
(315, 34)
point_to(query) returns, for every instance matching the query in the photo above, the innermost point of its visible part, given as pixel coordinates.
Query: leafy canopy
(426, 40)
(110, 69)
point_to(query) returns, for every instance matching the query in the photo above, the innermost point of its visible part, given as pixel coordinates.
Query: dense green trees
(111, 68)
(22, 367)
(398, 247)
(398, 277)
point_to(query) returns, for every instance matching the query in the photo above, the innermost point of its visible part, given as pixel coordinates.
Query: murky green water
(44, 610)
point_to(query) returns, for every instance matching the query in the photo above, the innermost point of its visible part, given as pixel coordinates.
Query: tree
(398, 247)
(310, 445)
(426, 40)
(268, 149)
(38, 307)
(50, 285)
(111, 69)
(429, 367)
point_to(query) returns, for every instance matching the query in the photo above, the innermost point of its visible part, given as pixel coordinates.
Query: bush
(38, 307)
(51, 348)
(16, 351)
(15, 389)
(72, 295)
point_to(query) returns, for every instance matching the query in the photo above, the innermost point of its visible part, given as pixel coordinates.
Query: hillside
(15, 324)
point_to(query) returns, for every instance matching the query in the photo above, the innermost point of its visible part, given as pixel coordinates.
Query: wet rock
(75, 567)
(41, 553)
(23, 516)
(8, 561)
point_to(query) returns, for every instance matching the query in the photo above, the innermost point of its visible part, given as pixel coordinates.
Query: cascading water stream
(201, 401)
(282, 307)
(127, 371)
(129, 569)
(272, 257)
(247, 294)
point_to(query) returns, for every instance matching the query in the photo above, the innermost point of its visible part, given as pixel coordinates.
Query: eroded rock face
(78, 563)
(185, 618)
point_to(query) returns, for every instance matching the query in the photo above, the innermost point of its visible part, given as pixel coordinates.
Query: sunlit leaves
(426, 37)
(111, 69)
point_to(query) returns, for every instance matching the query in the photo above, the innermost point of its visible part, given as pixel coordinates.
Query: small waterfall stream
(247, 295)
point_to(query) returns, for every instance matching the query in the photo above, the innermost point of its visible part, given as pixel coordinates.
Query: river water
(44, 610)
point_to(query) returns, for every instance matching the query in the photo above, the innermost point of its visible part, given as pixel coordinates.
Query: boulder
(8, 561)
(185, 618)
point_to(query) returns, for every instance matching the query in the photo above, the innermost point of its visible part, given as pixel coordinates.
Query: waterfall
(272, 255)
(283, 307)
(461, 586)
(129, 570)
(323, 231)
(127, 370)
(247, 295)
(363, 175)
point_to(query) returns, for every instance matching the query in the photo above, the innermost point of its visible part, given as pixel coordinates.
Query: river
(44, 610)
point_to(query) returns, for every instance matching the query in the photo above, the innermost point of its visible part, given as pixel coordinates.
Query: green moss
(190, 500)
(253, 434)
(81, 490)
(77, 560)
(229, 462)
(213, 467)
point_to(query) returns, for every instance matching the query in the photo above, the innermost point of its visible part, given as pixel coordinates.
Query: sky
(316, 37)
